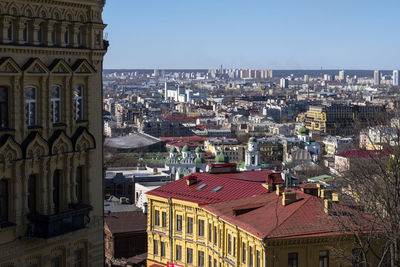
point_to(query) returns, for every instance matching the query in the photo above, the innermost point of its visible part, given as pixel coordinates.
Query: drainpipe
(170, 229)
(265, 251)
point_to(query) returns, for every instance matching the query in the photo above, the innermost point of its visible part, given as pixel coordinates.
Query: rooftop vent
(191, 180)
(201, 186)
(216, 189)
(288, 197)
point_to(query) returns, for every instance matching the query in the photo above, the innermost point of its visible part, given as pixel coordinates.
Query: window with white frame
(78, 102)
(31, 105)
(55, 103)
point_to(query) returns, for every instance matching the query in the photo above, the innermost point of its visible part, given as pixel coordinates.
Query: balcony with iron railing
(48, 226)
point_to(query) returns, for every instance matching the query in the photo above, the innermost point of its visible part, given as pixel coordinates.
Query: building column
(20, 26)
(35, 30)
(4, 24)
(74, 34)
(71, 170)
(48, 31)
(49, 194)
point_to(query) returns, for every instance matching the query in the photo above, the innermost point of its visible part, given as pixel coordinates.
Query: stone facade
(51, 55)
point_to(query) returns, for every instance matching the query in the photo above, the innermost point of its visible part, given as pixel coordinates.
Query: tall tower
(252, 156)
(395, 78)
(51, 62)
(377, 77)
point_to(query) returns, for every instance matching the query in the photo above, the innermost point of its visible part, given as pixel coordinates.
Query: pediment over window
(59, 66)
(35, 146)
(35, 66)
(8, 65)
(60, 143)
(9, 149)
(83, 140)
(82, 66)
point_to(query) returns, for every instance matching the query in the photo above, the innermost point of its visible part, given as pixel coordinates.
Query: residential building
(395, 78)
(51, 133)
(199, 221)
(377, 77)
(337, 145)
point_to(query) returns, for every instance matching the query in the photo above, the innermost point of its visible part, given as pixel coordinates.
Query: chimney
(319, 190)
(279, 189)
(335, 197)
(327, 206)
(122, 200)
(288, 197)
(145, 207)
(191, 180)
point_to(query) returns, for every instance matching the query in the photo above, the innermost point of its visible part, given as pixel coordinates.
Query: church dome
(303, 130)
(172, 150)
(221, 158)
(185, 148)
(252, 140)
(198, 150)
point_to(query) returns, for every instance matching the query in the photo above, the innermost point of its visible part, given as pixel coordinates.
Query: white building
(377, 77)
(395, 78)
(284, 83)
(252, 156)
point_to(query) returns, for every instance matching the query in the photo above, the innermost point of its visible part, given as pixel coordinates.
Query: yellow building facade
(51, 55)
(186, 233)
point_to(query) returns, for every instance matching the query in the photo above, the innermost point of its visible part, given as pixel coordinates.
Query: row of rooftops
(257, 202)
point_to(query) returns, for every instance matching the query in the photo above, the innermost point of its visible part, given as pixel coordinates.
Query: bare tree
(372, 180)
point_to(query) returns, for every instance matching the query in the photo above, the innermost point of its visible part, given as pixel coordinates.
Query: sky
(262, 34)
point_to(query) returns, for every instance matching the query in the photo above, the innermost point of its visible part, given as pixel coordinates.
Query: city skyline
(179, 35)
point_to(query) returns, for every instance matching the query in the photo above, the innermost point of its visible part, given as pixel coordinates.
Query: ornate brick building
(51, 201)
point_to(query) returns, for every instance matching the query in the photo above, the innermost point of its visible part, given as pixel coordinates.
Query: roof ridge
(290, 215)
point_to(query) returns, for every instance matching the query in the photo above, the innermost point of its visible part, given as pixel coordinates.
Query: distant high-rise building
(377, 77)
(156, 73)
(342, 75)
(284, 83)
(395, 78)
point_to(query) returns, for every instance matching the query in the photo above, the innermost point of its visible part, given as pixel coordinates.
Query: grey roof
(131, 141)
(112, 204)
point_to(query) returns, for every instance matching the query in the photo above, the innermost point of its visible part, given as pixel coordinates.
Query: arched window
(55, 104)
(78, 102)
(3, 201)
(32, 194)
(66, 35)
(10, 32)
(3, 107)
(56, 191)
(26, 33)
(40, 34)
(31, 105)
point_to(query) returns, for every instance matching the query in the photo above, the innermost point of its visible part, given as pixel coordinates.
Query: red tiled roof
(355, 153)
(234, 185)
(271, 219)
(124, 222)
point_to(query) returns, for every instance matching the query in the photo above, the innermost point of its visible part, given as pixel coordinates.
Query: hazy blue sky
(278, 34)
